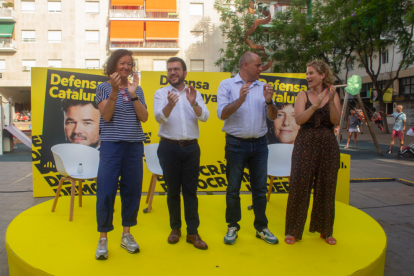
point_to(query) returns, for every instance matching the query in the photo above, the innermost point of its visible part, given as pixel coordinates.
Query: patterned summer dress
(315, 164)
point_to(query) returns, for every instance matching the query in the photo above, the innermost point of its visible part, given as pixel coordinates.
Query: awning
(161, 30)
(6, 29)
(127, 31)
(161, 5)
(127, 2)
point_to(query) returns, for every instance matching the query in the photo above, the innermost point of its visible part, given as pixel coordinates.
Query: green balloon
(354, 85)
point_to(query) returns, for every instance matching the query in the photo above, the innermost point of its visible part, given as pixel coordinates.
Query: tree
(295, 37)
(234, 26)
(370, 26)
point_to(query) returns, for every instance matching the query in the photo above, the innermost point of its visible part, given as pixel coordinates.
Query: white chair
(67, 158)
(278, 164)
(153, 164)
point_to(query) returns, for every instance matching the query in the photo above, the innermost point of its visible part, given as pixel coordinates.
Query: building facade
(83, 34)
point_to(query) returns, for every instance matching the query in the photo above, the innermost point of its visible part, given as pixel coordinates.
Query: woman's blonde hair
(322, 68)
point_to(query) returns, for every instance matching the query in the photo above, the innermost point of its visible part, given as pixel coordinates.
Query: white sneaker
(128, 242)
(102, 250)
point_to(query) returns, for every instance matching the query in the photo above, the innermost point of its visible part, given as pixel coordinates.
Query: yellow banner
(52, 89)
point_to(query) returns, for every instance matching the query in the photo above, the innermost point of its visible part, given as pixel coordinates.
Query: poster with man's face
(70, 113)
(284, 128)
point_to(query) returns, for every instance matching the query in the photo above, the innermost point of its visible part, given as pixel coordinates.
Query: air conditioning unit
(26, 68)
(96, 68)
(1, 75)
(52, 66)
(89, 67)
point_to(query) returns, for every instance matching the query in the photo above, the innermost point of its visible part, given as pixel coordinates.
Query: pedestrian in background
(352, 127)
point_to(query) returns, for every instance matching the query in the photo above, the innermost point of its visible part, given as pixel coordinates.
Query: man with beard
(243, 103)
(178, 109)
(81, 122)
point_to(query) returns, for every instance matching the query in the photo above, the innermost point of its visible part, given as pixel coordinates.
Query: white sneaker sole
(129, 250)
(231, 243)
(101, 257)
(263, 238)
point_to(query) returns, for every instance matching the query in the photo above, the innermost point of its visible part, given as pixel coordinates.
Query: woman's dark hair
(175, 59)
(110, 64)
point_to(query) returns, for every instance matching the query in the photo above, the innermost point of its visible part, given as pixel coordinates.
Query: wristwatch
(195, 104)
(271, 101)
(134, 99)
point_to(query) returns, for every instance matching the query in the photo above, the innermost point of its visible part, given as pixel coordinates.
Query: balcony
(7, 45)
(146, 46)
(8, 15)
(119, 14)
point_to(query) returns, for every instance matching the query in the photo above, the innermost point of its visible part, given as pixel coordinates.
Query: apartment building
(83, 33)
(403, 87)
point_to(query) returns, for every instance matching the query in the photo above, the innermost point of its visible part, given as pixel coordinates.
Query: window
(54, 36)
(28, 36)
(92, 63)
(92, 36)
(28, 64)
(2, 65)
(28, 6)
(56, 63)
(159, 65)
(54, 6)
(197, 65)
(196, 9)
(406, 86)
(384, 57)
(92, 7)
(197, 37)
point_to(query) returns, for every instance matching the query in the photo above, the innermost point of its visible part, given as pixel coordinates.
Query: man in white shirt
(243, 103)
(178, 109)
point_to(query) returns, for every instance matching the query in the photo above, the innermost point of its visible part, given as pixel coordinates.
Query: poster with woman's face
(284, 128)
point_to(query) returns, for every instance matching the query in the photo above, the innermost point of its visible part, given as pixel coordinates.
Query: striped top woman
(122, 106)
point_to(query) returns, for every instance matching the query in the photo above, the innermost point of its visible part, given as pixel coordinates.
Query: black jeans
(240, 153)
(180, 165)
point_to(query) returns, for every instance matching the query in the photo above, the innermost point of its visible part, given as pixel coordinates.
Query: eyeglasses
(175, 70)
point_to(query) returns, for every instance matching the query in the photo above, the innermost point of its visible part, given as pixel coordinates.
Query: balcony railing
(7, 44)
(127, 13)
(6, 13)
(115, 13)
(145, 45)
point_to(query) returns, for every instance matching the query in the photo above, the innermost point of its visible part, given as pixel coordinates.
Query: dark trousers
(180, 165)
(119, 159)
(240, 153)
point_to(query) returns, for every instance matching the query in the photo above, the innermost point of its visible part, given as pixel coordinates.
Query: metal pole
(374, 138)
(338, 137)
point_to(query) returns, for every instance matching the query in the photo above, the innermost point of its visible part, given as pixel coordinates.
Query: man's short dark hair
(373, 109)
(66, 103)
(175, 59)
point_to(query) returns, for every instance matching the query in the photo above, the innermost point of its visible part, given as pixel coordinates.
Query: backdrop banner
(64, 111)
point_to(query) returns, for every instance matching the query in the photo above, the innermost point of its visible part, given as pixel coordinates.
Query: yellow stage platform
(40, 242)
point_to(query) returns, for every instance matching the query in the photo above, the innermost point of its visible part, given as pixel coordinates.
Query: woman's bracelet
(314, 108)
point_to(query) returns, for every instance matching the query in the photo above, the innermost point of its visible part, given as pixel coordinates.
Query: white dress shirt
(249, 121)
(182, 124)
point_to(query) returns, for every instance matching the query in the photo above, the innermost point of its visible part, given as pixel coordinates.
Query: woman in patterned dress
(315, 157)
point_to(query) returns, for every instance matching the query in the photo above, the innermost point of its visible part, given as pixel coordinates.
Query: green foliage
(234, 26)
(8, 4)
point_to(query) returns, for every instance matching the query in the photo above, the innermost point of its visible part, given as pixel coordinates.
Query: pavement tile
(391, 193)
(359, 200)
(398, 264)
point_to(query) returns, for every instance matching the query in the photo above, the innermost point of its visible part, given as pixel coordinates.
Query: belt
(250, 140)
(312, 126)
(179, 142)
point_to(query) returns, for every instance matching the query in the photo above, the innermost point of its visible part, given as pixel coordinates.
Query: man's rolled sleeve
(223, 98)
(159, 103)
(205, 114)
